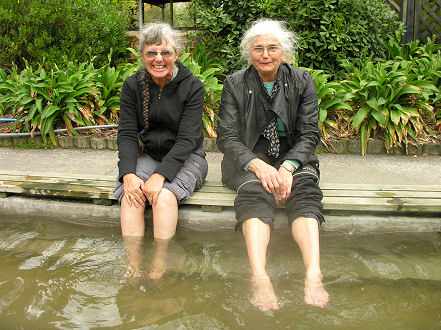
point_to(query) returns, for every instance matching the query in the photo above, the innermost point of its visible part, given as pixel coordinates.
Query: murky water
(57, 275)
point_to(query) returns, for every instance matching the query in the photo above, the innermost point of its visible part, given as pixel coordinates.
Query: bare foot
(133, 272)
(159, 268)
(315, 293)
(159, 264)
(264, 297)
(133, 245)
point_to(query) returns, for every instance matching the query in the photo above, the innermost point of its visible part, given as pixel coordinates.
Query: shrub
(330, 30)
(332, 99)
(388, 97)
(31, 30)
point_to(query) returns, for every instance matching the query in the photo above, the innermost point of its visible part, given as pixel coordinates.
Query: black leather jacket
(245, 111)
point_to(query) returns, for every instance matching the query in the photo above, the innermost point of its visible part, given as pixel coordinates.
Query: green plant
(387, 97)
(221, 24)
(213, 91)
(108, 83)
(42, 99)
(331, 30)
(52, 29)
(332, 98)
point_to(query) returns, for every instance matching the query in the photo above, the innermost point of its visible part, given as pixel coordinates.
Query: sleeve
(307, 132)
(127, 138)
(189, 132)
(228, 129)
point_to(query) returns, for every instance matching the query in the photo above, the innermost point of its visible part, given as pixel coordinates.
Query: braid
(144, 78)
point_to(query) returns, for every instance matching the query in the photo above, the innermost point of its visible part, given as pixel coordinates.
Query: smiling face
(266, 55)
(160, 67)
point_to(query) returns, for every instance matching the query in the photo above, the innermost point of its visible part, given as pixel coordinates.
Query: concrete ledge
(88, 214)
(349, 146)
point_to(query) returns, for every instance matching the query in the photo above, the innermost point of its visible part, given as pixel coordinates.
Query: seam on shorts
(308, 173)
(237, 191)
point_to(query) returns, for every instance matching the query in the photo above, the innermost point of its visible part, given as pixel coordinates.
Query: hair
(156, 33)
(287, 39)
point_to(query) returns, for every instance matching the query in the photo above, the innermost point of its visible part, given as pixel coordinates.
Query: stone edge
(350, 146)
(91, 215)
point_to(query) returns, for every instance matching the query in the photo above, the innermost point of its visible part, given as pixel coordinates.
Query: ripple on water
(9, 239)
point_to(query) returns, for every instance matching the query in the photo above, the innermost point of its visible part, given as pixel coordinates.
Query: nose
(158, 56)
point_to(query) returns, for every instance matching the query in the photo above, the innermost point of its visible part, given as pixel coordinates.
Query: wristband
(288, 166)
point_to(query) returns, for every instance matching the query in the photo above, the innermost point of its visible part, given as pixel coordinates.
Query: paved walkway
(381, 169)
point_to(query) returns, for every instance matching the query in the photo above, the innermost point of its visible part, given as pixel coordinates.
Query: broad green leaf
(359, 117)
(395, 116)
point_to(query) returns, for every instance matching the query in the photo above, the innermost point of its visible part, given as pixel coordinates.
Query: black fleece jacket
(175, 122)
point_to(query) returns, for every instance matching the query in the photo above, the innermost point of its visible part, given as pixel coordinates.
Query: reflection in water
(147, 296)
(56, 275)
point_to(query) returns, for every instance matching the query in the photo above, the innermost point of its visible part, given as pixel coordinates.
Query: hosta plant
(213, 91)
(332, 98)
(390, 99)
(44, 99)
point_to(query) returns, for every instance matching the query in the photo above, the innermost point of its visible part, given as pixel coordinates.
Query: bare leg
(159, 264)
(133, 246)
(165, 215)
(306, 233)
(165, 219)
(132, 219)
(257, 236)
(132, 229)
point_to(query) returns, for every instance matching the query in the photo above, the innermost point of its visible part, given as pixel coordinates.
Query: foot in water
(158, 270)
(315, 293)
(159, 264)
(264, 297)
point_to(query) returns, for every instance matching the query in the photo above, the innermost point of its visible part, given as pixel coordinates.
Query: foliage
(424, 62)
(332, 99)
(78, 94)
(42, 99)
(213, 91)
(205, 57)
(31, 30)
(222, 24)
(389, 98)
(330, 30)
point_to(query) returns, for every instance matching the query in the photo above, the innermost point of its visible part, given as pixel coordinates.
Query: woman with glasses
(268, 132)
(160, 139)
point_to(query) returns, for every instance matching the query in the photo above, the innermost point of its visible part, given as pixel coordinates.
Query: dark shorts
(190, 177)
(253, 201)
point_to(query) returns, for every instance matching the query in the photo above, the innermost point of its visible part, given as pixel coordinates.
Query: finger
(265, 186)
(138, 200)
(155, 198)
(140, 195)
(128, 199)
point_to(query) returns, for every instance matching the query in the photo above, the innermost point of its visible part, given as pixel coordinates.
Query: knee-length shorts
(253, 201)
(189, 178)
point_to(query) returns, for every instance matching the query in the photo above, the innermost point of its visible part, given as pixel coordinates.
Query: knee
(166, 199)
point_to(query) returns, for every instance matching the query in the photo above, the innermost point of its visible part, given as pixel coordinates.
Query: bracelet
(288, 166)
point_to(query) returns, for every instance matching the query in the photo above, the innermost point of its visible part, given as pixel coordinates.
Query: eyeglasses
(260, 50)
(164, 53)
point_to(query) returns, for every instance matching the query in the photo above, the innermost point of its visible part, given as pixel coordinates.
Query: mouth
(158, 67)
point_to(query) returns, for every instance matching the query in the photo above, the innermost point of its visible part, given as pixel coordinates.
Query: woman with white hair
(268, 132)
(161, 112)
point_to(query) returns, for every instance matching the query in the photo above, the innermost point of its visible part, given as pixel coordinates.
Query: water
(56, 275)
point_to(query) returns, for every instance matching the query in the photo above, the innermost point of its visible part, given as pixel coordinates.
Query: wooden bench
(214, 195)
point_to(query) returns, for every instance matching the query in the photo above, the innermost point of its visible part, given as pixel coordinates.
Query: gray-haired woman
(161, 106)
(268, 132)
